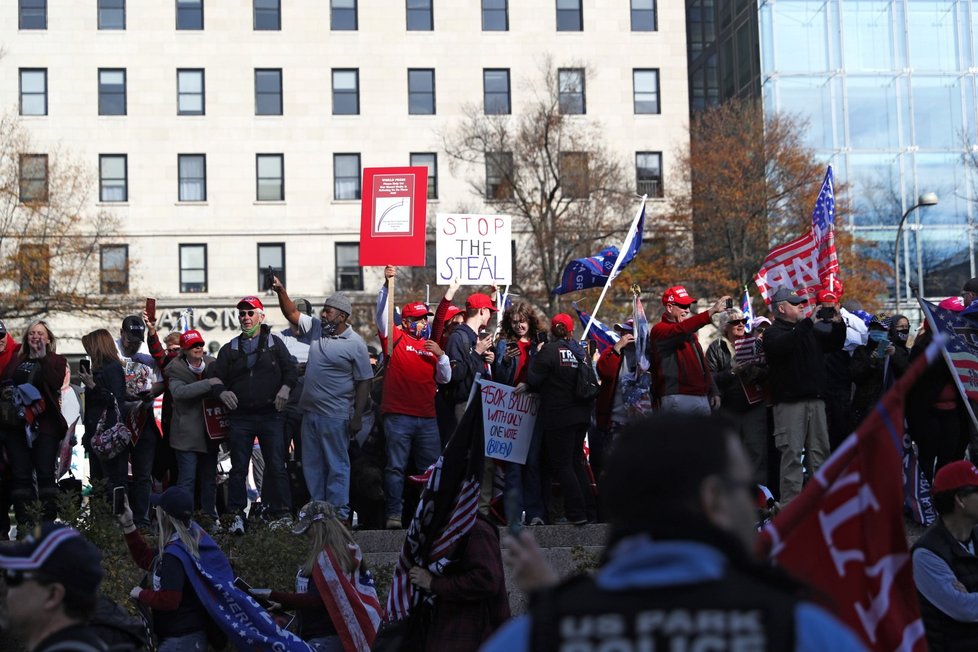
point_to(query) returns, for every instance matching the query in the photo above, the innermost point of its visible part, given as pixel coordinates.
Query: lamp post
(925, 199)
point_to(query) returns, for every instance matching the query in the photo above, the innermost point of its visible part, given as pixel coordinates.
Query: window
(346, 92)
(421, 91)
(495, 15)
(342, 15)
(570, 89)
(33, 14)
(430, 160)
(419, 15)
(643, 15)
(111, 14)
(193, 177)
(114, 269)
(495, 90)
(33, 91)
(112, 91)
(270, 171)
(648, 173)
(574, 182)
(190, 14)
(569, 16)
(190, 92)
(646, 94)
(113, 171)
(268, 15)
(499, 174)
(35, 269)
(193, 268)
(270, 254)
(349, 274)
(33, 178)
(346, 176)
(268, 91)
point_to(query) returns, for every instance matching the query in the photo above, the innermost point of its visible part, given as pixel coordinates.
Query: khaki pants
(800, 428)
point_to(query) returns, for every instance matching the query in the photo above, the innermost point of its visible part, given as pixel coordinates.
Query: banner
(392, 216)
(508, 421)
(473, 249)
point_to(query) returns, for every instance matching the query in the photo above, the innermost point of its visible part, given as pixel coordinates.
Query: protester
(8, 350)
(681, 523)
(945, 568)
(52, 582)
(899, 335)
(682, 376)
(105, 392)
(838, 371)
(447, 317)
(868, 364)
(969, 292)
(470, 350)
(611, 412)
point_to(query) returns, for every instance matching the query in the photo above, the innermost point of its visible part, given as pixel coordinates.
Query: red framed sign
(392, 216)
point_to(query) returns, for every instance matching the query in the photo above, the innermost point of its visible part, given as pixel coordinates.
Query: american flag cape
(600, 334)
(351, 600)
(844, 533)
(960, 352)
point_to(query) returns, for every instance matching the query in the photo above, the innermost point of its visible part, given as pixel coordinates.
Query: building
(229, 135)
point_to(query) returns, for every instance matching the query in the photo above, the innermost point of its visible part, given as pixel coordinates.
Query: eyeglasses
(246, 313)
(14, 578)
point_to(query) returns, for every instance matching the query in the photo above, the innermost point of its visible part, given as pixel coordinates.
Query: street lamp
(925, 199)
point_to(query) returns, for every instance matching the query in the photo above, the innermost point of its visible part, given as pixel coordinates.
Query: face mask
(419, 329)
(877, 336)
(250, 332)
(329, 328)
(902, 336)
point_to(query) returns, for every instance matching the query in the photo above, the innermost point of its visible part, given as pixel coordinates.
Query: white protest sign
(509, 419)
(473, 249)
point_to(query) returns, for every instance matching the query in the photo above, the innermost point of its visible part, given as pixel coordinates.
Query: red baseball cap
(191, 337)
(954, 304)
(479, 300)
(955, 475)
(451, 312)
(563, 318)
(678, 295)
(251, 302)
(415, 309)
(829, 296)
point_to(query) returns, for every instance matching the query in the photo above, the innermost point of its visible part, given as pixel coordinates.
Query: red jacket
(677, 358)
(609, 368)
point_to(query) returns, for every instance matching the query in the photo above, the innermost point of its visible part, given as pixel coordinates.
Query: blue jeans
(270, 430)
(143, 454)
(326, 460)
(191, 466)
(533, 485)
(193, 642)
(406, 435)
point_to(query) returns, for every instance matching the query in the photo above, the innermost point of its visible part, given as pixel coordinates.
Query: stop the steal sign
(474, 249)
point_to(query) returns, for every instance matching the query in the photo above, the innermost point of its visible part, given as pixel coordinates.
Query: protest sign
(509, 420)
(392, 216)
(474, 249)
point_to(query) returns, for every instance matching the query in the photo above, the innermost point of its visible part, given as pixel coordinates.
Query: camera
(825, 314)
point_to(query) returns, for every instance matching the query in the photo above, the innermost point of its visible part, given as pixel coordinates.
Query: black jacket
(796, 360)
(553, 373)
(255, 387)
(943, 632)
(110, 386)
(466, 363)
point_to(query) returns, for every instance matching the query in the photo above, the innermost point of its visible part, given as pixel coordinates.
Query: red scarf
(8, 353)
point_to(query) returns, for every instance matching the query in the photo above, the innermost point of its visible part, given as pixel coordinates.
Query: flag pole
(614, 270)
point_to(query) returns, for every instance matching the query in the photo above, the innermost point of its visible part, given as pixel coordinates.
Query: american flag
(748, 350)
(960, 351)
(747, 309)
(793, 265)
(351, 600)
(823, 228)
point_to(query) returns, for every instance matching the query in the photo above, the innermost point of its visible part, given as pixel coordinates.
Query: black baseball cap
(3, 330)
(59, 553)
(133, 329)
(176, 502)
(971, 285)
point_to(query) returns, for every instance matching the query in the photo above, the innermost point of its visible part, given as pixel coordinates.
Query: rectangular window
(343, 15)
(190, 14)
(270, 171)
(346, 176)
(193, 268)
(33, 91)
(495, 15)
(419, 16)
(268, 91)
(114, 269)
(570, 89)
(569, 16)
(113, 175)
(112, 91)
(270, 255)
(35, 269)
(349, 274)
(643, 15)
(190, 91)
(648, 173)
(193, 177)
(421, 91)
(268, 15)
(33, 178)
(33, 14)
(346, 91)
(574, 183)
(646, 90)
(430, 160)
(111, 14)
(495, 91)
(499, 175)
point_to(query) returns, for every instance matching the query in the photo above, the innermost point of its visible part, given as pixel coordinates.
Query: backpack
(586, 386)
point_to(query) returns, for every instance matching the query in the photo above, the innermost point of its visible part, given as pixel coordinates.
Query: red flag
(844, 533)
(794, 265)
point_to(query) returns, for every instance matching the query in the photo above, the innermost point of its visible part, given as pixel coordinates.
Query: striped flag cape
(600, 334)
(748, 309)
(960, 351)
(351, 600)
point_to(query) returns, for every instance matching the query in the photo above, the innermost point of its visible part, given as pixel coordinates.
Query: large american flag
(823, 228)
(960, 351)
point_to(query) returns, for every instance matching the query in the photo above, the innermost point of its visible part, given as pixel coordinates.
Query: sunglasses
(14, 578)
(198, 345)
(246, 313)
(737, 322)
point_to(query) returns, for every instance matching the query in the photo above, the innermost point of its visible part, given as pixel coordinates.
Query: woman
(868, 364)
(195, 452)
(33, 449)
(105, 391)
(333, 563)
(899, 336)
(553, 373)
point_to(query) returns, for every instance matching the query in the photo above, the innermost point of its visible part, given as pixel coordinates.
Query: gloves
(282, 398)
(134, 593)
(260, 593)
(229, 399)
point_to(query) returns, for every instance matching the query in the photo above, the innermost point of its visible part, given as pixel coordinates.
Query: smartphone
(541, 337)
(729, 304)
(269, 279)
(881, 347)
(119, 500)
(85, 365)
(825, 314)
(151, 309)
(511, 345)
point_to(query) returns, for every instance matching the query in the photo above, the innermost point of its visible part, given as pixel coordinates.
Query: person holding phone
(105, 392)
(867, 368)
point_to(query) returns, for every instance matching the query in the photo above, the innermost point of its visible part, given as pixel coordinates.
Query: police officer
(677, 574)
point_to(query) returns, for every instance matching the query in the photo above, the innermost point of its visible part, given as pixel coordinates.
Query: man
(470, 349)
(838, 379)
(795, 346)
(52, 581)
(254, 376)
(970, 291)
(611, 413)
(682, 378)
(678, 573)
(945, 567)
(334, 396)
